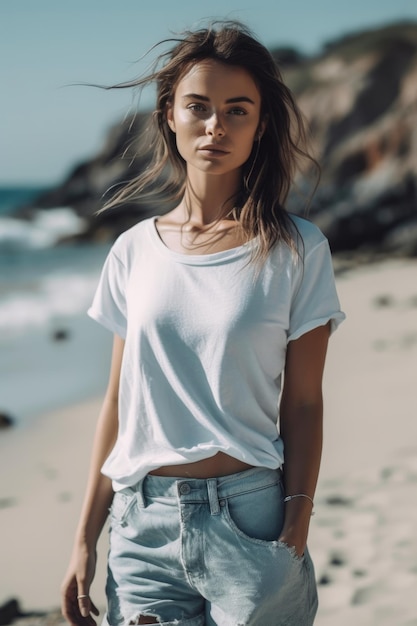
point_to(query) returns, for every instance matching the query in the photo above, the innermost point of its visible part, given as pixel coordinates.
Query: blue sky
(47, 126)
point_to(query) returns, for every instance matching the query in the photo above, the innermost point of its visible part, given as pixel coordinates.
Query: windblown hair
(269, 172)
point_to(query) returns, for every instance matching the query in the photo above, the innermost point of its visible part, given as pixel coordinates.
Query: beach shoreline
(362, 537)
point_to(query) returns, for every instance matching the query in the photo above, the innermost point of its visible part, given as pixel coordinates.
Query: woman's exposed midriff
(220, 464)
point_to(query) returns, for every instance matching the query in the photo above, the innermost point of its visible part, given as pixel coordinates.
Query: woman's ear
(170, 117)
(261, 129)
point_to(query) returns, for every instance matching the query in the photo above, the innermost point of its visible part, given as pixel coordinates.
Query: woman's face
(215, 116)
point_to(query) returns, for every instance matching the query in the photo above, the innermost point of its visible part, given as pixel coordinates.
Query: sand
(362, 538)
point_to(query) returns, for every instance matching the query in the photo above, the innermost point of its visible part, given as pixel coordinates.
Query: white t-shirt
(205, 347)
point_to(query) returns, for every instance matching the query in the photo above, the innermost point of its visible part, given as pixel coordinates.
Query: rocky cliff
(359, 96)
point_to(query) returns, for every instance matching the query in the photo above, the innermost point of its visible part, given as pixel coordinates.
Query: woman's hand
(76, 604)
(294, 541)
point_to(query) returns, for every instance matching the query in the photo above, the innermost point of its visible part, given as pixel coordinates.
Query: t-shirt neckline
(211, 258)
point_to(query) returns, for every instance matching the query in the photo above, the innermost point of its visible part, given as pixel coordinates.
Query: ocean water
(45, 290)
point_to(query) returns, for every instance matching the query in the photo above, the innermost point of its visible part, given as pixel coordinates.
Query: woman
(211, 306)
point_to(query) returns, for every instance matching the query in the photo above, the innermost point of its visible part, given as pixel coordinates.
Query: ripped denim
(204, 552)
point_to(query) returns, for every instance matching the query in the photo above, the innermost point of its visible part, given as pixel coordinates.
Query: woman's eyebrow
(240, 99)
(196, 96)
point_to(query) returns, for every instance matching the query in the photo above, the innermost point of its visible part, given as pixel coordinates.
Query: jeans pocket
(122, 504)
(256, 516)
(292, 551)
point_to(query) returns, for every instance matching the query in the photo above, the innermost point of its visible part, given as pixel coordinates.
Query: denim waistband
(200, 490)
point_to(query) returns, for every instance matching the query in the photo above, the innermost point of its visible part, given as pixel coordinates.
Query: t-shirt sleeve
(315, 301)
(109, 302)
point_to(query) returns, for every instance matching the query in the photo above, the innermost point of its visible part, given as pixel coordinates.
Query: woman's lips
(214, 150)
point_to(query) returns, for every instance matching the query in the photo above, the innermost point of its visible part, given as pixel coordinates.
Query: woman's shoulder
(307, 235)
(132, 239)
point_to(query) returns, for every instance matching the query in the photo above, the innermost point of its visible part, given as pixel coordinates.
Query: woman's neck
(209, 198)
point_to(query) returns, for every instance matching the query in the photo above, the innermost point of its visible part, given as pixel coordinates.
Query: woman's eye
(196, 107)
(237, 111)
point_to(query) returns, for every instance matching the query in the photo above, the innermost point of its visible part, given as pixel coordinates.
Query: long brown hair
(270, 170)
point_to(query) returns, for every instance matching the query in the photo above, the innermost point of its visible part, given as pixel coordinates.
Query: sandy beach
(362, 539)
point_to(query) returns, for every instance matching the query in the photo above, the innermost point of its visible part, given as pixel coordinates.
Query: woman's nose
(214, 126)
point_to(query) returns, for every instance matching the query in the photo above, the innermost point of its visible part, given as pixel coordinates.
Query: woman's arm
(97, 500)
(301, 427)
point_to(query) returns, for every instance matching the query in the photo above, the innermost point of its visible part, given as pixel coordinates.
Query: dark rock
(9, 612)
(60, 334)
(51, 618)
(338, 501)
(372, 102)
(383, 301)
(324, 580)
(6, 421)
(337, 560)
(362, 109)
(93, 182)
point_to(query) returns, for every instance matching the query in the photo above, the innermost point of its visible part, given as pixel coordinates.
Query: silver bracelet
(300, 495)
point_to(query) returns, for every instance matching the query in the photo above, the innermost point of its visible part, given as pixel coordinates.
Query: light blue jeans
(204, 552)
